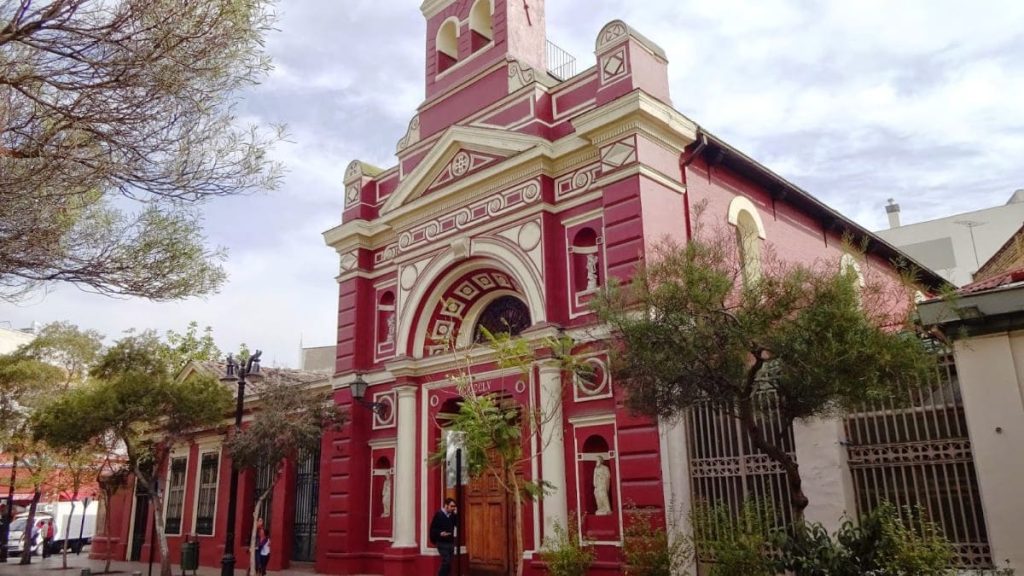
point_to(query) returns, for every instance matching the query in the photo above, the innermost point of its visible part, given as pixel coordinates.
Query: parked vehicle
(79, 526)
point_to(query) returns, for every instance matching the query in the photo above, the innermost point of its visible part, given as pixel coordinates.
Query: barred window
(175, 495)
(206, 510)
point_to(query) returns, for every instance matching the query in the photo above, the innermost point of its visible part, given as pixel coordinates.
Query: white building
(11, 340)
(956, 246)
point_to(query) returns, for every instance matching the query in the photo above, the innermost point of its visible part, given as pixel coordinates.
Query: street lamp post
(236, 372)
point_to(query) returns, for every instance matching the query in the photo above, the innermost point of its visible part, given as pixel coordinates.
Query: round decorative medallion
(460, 164)
(435, 400)
(529, 236)
(520, 387)
(596, 382)
(409, 275)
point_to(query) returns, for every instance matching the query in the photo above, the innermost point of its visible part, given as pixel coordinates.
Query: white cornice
(429, 8)
(637, 111)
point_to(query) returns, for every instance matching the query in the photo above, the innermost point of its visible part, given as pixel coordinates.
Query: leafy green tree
(288, 420)
(25, 383)
(65, 345)
(118, 124)
(136, 401)
(190, 346)
(690, 329)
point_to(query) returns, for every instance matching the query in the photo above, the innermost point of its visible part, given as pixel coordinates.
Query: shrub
(564, 554)
(651, 549)
(736, 545)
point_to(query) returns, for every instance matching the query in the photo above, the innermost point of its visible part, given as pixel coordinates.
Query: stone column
(404, 509)
(553, 443)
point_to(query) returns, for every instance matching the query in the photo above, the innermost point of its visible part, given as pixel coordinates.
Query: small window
(447, 45)
(206, 510)
(175, 495)
(480, 28)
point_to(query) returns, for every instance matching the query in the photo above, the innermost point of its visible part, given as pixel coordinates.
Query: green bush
(736, 545)
(564, 554)
(650, 549)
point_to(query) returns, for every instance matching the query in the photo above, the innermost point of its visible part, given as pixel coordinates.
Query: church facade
(520, 190)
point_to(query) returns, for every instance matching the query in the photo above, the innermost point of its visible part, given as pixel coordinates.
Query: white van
(78, 528)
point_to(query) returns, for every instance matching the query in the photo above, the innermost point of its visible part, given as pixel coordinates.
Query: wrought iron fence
(918, 453)
(561, 64)
(728, 471)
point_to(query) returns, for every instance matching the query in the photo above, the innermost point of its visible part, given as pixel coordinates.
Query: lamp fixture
(358, 387)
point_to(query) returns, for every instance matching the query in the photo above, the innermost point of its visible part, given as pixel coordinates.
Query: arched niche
(480, 24)
(447, 44)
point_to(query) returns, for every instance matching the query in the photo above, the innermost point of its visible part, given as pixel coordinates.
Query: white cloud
(857, 102)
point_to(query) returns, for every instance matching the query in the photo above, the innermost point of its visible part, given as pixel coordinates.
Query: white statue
(390, 338)
(385, 497)
(602, 484)
(591, 272)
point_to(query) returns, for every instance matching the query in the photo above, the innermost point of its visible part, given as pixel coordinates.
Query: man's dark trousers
(446, 551)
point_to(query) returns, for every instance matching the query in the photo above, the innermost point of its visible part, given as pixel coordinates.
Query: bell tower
(465, 37)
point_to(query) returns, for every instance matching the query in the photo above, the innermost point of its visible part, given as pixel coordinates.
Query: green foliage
(689, 330)
(651, 549)
(190, 346)
(118, 125)
(883, 543)
(563, 552)
(68, 346)
(739, 544)
(287, 421)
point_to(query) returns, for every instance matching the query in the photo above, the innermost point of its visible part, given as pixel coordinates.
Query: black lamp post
(236, 372)
(359, 391)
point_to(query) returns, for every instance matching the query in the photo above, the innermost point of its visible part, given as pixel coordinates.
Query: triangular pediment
(460, 153)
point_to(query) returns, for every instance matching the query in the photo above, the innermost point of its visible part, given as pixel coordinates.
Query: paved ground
(52, 567)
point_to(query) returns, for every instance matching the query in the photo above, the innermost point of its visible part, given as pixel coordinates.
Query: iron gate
(307, 490)
(918, 453)
(727, 470)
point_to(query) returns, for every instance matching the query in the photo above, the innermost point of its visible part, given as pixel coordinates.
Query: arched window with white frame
(749, 234)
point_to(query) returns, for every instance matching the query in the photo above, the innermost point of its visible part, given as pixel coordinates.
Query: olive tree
(118, 122)
(288, 420)
(689, 329)
(136, 401)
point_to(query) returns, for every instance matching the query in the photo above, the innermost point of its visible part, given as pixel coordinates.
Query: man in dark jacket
(442, 534)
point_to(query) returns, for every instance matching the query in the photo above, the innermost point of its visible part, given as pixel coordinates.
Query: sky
(856, 102)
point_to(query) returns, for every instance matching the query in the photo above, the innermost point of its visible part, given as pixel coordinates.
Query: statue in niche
(385, 497)
(390, 337)
(591, 272)
(602, 485)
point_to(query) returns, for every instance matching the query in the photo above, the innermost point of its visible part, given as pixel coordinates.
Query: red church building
(519, 190)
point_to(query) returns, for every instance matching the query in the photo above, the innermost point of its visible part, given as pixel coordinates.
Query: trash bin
(190, 556)
(86, 572)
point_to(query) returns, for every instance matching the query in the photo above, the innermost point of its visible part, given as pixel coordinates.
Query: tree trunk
(67, 531)
(6, 526)
(26, 550)
(797, 499)
(255, 518)
(517, 526)
(156, 501)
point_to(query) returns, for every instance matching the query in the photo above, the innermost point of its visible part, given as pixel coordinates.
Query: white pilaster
(553, 443)
(404, 509)
(675, 473)
(826, 477)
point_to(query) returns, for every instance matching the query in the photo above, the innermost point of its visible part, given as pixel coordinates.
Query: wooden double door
(488, 529)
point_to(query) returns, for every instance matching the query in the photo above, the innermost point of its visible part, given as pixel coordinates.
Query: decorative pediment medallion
(460, 152)
(463, 163)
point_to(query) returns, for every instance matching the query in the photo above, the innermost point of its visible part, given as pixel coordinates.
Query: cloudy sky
(856, 101)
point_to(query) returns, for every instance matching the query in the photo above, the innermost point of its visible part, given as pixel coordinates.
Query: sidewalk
(52, 566)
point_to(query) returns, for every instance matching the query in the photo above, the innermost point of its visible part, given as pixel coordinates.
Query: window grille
(918, 453)
(206, 511)
(728, 471)
(175, 495)
(264, 475)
